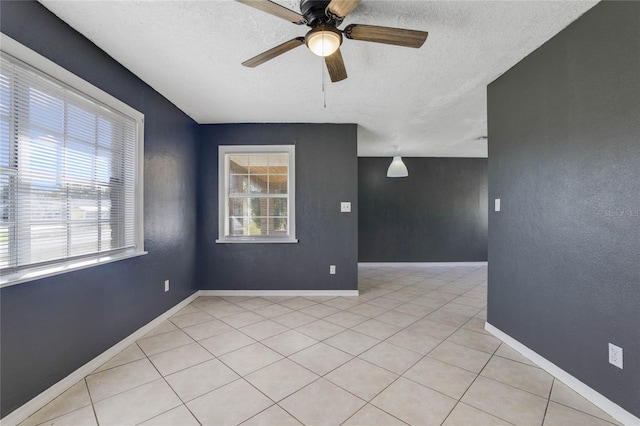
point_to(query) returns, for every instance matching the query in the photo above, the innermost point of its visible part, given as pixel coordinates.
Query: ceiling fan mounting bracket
(316, 13)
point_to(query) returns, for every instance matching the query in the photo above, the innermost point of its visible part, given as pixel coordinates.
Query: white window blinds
(67, 172)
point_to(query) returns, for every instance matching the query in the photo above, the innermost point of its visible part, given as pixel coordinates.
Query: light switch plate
(345, 207)
(497, 204)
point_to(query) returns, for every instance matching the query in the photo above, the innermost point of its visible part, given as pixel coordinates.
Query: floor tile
(466, 415)
(263, 329)
(560, 415)
(518, 375)
(506, 402)
(458, 308)
(471, 339)
(254, 304)
(273, 310)
(414, 341)
(136, 405)
(74, 398)
(200, 379)
(164, 342)
(448, 318)
(391, 357)
(378, 329)
(179, 416)
(281, 379)
(414, 309)
(372, 416)
(83, 416)
(414, 403)
(461, 356)
(207, 329)
(320, 310)
(294, 319)
(368, 310)
(444, 378)
(505, 351)
(226, 342)
(361, 378)
(226, 310)
(229, 405)
(320, 329)
(342, 302)
(297, 303)
(242, 319)
(564, 395)
(250, 358)
(352, 342)
(433, 329)
(119, 379)
(346, 319)
(289, 342)
(191, 319)
(401, 296)
(472, 301)
(189, 309)
(164, 327)
(322, 403)
(180, 358)
(321, 358)
(477, 325)
(397, 318)
(272, 416)
(385, 302)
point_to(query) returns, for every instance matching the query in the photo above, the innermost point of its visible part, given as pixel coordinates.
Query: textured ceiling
(430, 101)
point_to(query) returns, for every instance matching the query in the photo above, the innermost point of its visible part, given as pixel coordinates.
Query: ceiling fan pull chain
(324, 86)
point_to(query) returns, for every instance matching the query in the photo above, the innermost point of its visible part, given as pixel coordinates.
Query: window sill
(63, 267)
(258, 241)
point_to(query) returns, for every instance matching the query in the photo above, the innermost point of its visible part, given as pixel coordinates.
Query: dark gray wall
(326, 174)
(436, 214)
(564, 157)
(52, 326)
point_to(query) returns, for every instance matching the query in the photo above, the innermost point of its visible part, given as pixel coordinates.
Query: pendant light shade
(397, 168)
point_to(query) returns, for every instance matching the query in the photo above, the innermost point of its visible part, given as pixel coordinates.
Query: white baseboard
(26, 410)
(267, 293)
(597, 399)
(403, 264)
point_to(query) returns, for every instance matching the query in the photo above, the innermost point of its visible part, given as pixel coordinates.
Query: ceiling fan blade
(272, 53)
(276, 10)
(342, 8)
(335, 65)
(387, 35)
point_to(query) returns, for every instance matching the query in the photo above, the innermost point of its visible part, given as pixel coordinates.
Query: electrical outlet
(166, 285)
(332, 269)
(615, 355)
(345, 207)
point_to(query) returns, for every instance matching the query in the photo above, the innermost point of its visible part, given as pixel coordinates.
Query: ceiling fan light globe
(323, 41)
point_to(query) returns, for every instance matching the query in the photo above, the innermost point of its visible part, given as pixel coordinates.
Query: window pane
(239, 164)
(278, 164)
(279, 226)
(278, 184)
(278, 207)
(259, 184)
(83, 238)
(236, 226)
(238, 184)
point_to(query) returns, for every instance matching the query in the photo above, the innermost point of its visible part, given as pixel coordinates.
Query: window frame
(224, 151)
(77, 84)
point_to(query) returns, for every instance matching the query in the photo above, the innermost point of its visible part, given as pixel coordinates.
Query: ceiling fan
(324, 39)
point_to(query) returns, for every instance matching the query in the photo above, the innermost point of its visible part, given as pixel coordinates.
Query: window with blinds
(68, 172)
(256, 195)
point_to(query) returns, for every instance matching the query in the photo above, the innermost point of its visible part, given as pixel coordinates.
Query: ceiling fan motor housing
(315, 12)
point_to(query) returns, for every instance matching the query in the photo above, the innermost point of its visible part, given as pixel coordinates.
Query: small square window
(256, 194)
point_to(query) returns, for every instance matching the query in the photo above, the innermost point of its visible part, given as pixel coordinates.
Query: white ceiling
(430, 101)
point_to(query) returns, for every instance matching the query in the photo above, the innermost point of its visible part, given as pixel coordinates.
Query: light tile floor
(411, 349)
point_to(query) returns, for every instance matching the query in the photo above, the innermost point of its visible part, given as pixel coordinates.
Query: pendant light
(397, 167)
